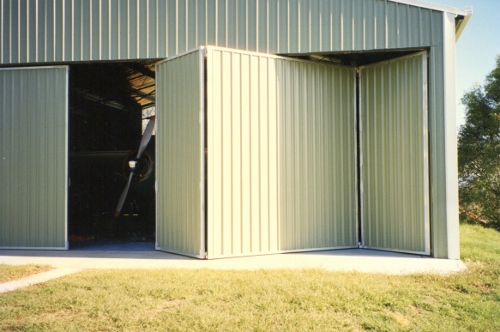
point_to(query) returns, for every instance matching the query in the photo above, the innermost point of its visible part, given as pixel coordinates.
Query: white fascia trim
(433, 6)
(463, 23)
(450, 139)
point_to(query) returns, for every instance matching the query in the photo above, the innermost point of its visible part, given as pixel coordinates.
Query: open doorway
(110, 105)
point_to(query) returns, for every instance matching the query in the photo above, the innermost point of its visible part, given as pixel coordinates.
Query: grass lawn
(11, 272)
(267, 300)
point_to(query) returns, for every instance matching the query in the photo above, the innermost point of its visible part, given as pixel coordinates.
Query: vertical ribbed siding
(242, 161)
(33, 157)
(84, 30)
(394, 160)
(179, 163)
(281, 155)
(317, 156)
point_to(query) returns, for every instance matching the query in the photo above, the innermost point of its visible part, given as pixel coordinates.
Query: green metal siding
(33, 157)
(59, 31)
(86, 30)
(281, 155)
(394, 157)
(180, 219)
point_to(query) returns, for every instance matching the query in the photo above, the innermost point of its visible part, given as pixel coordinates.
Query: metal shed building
(305, 125)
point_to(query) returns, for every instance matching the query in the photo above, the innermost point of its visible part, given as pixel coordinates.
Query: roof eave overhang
(461, 22)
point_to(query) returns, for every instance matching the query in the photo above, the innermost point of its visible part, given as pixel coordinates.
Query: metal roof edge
(428, 5)
(462, 23)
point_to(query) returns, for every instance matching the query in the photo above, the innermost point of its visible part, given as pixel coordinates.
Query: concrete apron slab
(368, 261)
(37, 278)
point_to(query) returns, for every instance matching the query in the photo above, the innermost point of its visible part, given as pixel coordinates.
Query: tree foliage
(479, 153)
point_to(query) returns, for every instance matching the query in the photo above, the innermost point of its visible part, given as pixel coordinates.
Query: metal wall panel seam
(10, 48)
(49, 173)
(49, 31)
(155, 41)
(196, 26)
(110, 25)
(342, 24)
(21, 162)
(353, 26)
(4, 163)
(127, 6)
(386, 28)
(63, 29)
(268, 24)
(118, 23)
(364, 32)
(72, 30)
(287, 29)
(357, 143)
(226, 25)
(138, 30)
(203, 215)
(41, 183)
(80, 28)
(99, 10)
(18, 27)
(66, 163)
(361, 156)
(425, 103)
(91, 32)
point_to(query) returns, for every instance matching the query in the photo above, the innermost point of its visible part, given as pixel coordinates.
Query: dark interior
(107, 105)
(358, 58)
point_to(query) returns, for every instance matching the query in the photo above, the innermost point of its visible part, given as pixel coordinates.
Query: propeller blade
(144, 143)
(123, 196)
(147, 136)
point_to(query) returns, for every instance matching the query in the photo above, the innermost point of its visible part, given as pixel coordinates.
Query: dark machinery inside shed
(111, 165)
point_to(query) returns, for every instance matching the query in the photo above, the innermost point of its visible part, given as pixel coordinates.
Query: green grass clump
(267, 300)
(11, 272)
(479, 244)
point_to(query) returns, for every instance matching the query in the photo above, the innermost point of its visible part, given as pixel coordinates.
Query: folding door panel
(394, 156)
(180, 217)
(33, 157)
(281, 154)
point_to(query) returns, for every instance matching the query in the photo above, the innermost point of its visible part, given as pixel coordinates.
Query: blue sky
(477, 47)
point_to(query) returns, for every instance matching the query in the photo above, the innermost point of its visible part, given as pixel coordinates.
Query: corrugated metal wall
(242, 128)
(33, 157)
(318, 207)
(394, 157)
(83, 30)
(180, 219)
(33, 31)
(281, 154)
